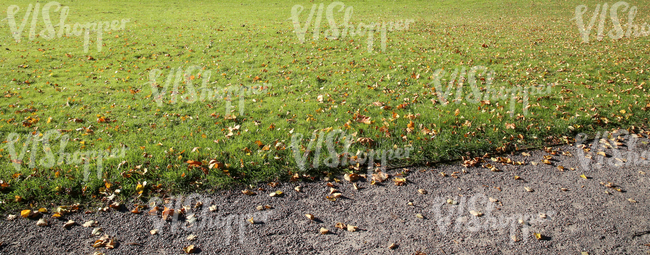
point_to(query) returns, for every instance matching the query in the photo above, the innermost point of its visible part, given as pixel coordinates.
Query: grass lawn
(103, 101)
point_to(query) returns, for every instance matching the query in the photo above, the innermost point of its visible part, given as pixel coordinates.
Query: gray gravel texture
(587, 217)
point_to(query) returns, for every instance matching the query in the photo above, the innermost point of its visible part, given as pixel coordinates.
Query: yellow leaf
(25, 213)
(583, 176)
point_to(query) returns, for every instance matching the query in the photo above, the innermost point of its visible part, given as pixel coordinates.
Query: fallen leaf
(41, 222)
(298, 188)
(379, 177)
(514, 238)
(419, 216)
(529, 189)
(191, 238)
(340, 225)
(631, 200)
(399, 181)
(68, 224)
(422, 191)
(324, 231)
(393, 245)
(476, 213)
(352, 228)
(213, 208)
(97, 231)
(251, 220)
(351, 177)
(584, 176)
(310, 216)
(538, 236)
(25, 213)
(11, 217)
(189, 249)
(248, 192)
(153, 231)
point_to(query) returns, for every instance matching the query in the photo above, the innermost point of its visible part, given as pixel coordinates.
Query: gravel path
(571, 213)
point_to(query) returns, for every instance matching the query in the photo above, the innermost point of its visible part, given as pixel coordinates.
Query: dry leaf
(189, 249)
(399, 181)
(352, 228)
(340, 225)
(476, 213)
(422, 191)
(379, 177)
(11, 217)
(298, 188)
(542, 215)
(493, 200)
(564, 189)
(419, 216)
(538, 236)
(393, 245)
(25, 213)
(251, 220)
(41, 222)
(525, 154)
(514, 238)
(248, 192)
(631, 200)
(153, 231)
(191, 238)
(529, 189)
(97, 231)
(351, 177)
(584, 176)
(213, 208)
(68, 224)
(310, 216)
(324, 231)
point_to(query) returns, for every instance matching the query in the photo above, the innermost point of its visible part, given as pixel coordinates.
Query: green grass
(599, 85)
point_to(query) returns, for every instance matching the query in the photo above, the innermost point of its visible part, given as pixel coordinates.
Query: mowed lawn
(103, 101)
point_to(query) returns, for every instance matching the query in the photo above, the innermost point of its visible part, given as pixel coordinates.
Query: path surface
(586, 217)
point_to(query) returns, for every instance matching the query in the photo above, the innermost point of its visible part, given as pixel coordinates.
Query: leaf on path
(41, 222)
(189, 249)
(68, 224)
(248, 192)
